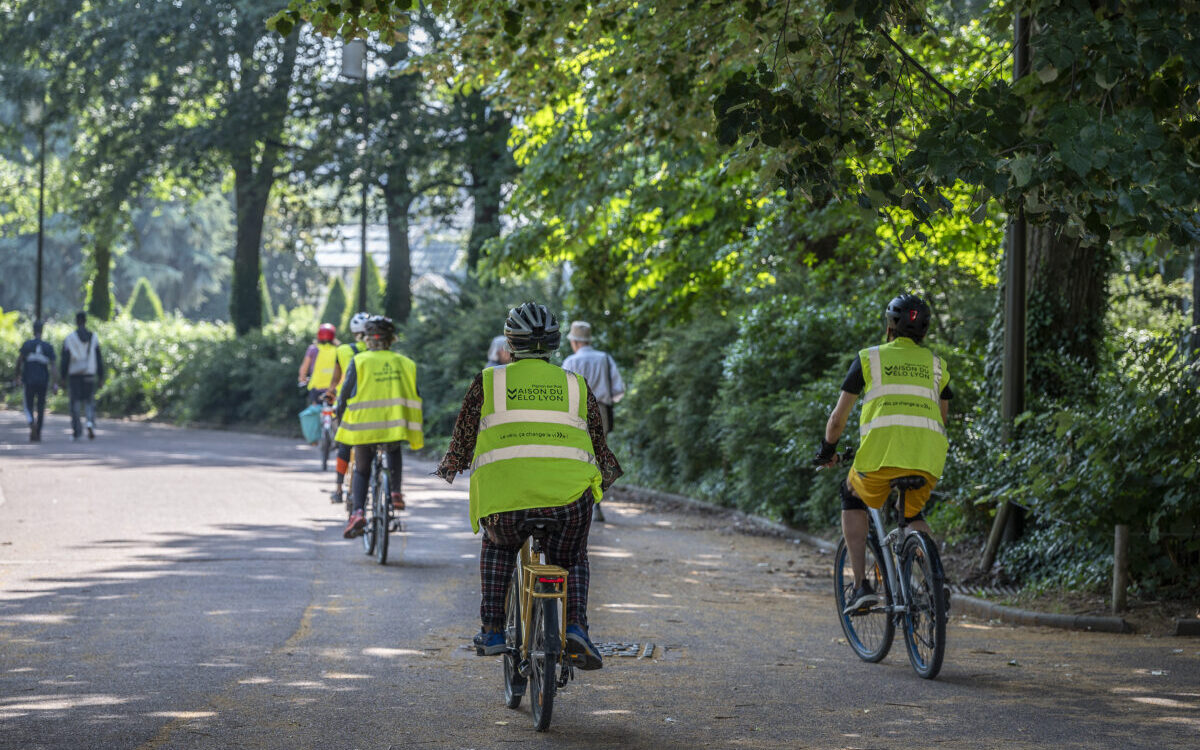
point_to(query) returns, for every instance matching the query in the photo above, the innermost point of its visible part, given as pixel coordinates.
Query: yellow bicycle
(535, 634)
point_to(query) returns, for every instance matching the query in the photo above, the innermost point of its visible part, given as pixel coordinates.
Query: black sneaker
(861, 600)
(91, 432)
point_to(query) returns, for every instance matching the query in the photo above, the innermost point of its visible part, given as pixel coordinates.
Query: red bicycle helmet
(326, 332)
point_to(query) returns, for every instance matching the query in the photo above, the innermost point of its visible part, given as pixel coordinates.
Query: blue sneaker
(488, 644)
(580, 649)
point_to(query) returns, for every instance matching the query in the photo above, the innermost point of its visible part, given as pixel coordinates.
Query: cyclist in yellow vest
(906, 397)
(532, 436)
(345, 353)
(316, 371)
(379, 405)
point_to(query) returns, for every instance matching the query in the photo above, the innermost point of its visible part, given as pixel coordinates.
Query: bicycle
(535, 630)
(905, 569)
(382, 518)
(325, 446)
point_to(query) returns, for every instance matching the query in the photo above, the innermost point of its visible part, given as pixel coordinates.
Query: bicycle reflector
(544, 579)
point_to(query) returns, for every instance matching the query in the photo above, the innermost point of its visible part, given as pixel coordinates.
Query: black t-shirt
(855, 382)
(37, 372)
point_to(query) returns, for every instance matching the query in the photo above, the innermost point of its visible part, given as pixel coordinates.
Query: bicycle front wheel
(369, 535)
(925, 620)
(544, 649)
(514, 681)
(870, 634)
(383, 504)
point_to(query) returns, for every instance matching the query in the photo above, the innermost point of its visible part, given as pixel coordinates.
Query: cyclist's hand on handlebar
(826, 455)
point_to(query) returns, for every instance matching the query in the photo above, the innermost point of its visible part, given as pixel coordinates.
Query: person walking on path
(33, 369)
(82, 366)
(600, 371)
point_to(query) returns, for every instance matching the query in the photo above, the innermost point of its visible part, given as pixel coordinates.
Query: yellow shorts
(873, 488)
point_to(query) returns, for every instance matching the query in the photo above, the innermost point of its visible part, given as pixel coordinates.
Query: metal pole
(41, 218)
(362, 267)
(1012, 389)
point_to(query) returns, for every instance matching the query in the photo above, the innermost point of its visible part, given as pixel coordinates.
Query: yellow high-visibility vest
(533, 448)
(322, 374)
(901, 422)
(385, 407)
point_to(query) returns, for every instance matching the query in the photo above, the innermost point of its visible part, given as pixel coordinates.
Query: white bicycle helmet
(358, 324)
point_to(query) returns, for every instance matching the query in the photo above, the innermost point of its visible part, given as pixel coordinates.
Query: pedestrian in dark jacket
(33, 370)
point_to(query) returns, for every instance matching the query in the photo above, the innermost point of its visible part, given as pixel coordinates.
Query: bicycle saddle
(538, 526)
(908, 483)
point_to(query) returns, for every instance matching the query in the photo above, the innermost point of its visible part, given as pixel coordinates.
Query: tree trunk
(397, 297)
(1068, 298)
(401, 121)
(252, 187)
(245, 301)
(100, 297)
(490, 166)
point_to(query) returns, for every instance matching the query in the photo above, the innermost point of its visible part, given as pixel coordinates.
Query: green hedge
(190, 372)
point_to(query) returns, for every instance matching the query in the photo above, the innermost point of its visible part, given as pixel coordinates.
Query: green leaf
(1048, 74)
(1022, 170)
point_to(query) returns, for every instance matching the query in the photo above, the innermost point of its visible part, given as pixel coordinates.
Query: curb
(960, 603)
(971, 605)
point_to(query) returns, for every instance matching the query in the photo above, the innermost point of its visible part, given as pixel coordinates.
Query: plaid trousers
(568, 549)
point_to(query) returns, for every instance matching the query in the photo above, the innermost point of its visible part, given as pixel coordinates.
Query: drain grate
(635, 650)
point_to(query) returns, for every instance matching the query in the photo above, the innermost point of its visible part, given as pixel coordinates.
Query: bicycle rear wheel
(870, 634)
(326, 446)
(383, 504)
(514, 681)
(925, 621)
(544, 649)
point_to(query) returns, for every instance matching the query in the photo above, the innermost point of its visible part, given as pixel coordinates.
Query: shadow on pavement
(131, 445)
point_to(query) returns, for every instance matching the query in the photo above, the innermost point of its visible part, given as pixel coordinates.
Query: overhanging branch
(909, 59)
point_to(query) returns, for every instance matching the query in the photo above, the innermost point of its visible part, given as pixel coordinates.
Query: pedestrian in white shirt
(83, 368)
(601, 373)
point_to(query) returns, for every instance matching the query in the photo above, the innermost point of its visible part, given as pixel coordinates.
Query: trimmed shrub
(335, 303)
(374, 296)
(144, 304)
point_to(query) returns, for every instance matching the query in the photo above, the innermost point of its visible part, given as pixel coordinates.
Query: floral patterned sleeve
(466, 430)
(610, 470)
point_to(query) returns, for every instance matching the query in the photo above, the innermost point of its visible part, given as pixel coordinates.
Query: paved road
(167, 588)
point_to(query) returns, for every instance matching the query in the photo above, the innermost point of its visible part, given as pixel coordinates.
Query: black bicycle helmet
(531, 331)
(908, 315)
(380, 327)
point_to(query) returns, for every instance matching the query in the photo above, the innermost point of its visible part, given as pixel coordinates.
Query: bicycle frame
(536, 578)
(889, 544)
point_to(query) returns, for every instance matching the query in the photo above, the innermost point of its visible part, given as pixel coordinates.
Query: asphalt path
(170, 588)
